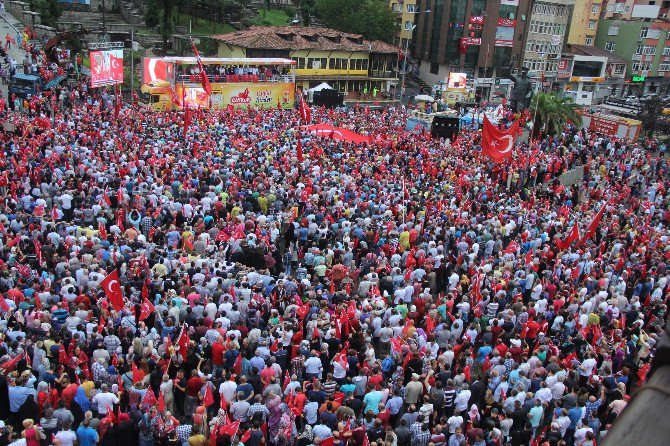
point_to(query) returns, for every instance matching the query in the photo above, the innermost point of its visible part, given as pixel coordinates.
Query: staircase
(93, 21)
(416, 79)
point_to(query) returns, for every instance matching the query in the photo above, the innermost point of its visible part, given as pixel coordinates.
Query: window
(664, 67)
(643, 32)
(640, 49)
(654, 34)
(588, 41)
(300, 62)
(592, 24)
(410, 7)
(613, 30)
(619, 68)
(666, 51)
(595, 9)
(434, 68)
(408, 25)
(609, 46)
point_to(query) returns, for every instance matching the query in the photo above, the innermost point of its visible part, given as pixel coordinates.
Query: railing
(233, 78)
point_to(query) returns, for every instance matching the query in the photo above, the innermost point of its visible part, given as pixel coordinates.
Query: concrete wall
(21, 10)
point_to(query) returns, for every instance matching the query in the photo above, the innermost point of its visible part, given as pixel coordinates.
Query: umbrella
(424, 97)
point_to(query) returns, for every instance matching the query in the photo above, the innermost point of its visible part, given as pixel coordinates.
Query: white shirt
(105, 400)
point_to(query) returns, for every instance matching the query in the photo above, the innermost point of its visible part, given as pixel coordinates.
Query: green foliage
(553, 112)
(49, 10)
(307, 8)
(273, 17)
(152, 16)
(649, 114)
(373, 19)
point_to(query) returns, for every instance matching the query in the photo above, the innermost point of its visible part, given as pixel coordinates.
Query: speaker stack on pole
(444, 127)
(328, 98)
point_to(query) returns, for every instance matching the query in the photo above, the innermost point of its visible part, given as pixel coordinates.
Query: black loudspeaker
(328, 98)
(444, 127)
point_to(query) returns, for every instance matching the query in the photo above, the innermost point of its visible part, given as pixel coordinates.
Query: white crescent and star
(510, 144)
(109, 285)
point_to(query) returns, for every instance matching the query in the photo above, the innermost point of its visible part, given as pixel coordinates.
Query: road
(10, 25)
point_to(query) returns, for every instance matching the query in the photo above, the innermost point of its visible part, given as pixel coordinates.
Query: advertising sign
(241, 95)
(509, 2)
(505, 33)
(156, 70)
(457, 80)
(604, 126)
(106, 68)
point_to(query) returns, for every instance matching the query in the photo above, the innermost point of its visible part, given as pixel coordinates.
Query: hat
(415, 376)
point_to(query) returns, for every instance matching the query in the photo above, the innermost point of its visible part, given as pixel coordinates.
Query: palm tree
(552, 112)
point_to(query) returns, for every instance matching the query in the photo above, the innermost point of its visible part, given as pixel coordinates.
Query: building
(545, 37)
(347, 62)
(406, 12)
(589, 74)
(474, 37)
(584, 22)
(630, 9)
(645, 46)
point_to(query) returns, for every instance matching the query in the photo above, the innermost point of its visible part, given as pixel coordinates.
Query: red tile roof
(302, 38)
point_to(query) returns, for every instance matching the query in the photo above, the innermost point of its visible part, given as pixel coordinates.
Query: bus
(260, 83)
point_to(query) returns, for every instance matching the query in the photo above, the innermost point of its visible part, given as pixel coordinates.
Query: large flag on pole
(203, 75)
(112, 289)
(593, 226)
(498, 144)
(305, 112)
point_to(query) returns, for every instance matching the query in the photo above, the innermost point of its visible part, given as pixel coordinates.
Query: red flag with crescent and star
(112, 289)
(498, 144)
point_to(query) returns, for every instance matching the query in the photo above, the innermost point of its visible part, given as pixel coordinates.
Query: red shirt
(217, 353)
(193, 386)
(68, 394)
(375, 380)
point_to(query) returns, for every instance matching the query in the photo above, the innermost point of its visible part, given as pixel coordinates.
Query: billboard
(457, 80)
(106, 68)
(240, 95)
(156, 70)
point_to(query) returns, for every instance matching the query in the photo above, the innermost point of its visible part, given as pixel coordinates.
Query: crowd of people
(406, 292)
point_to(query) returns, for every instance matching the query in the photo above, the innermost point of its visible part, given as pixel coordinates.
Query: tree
(552, 112)
(649, 114)
(373, 19)
(306, 10)
(49, 10)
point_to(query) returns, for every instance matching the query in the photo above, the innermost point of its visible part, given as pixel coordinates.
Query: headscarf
(81, 400)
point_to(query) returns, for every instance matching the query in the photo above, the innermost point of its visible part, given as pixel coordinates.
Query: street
(10, 25)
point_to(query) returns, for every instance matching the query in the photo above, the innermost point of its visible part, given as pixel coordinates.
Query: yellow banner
(241, 95)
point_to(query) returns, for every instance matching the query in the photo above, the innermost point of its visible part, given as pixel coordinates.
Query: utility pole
(132, 63)
(104, 22)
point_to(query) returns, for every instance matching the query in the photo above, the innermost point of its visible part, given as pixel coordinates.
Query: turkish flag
(305, 112)
(247, 435)
(573, 236)
(146, 309)
(10, 365)
(591, 230)
(203, 75)
(112, 288)
(161, 402)
(138, 375)
(498, 144)
(149, 398)
(208, 400)
(183, 341)
(102, 230)
(230, 429)
(238, 364)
